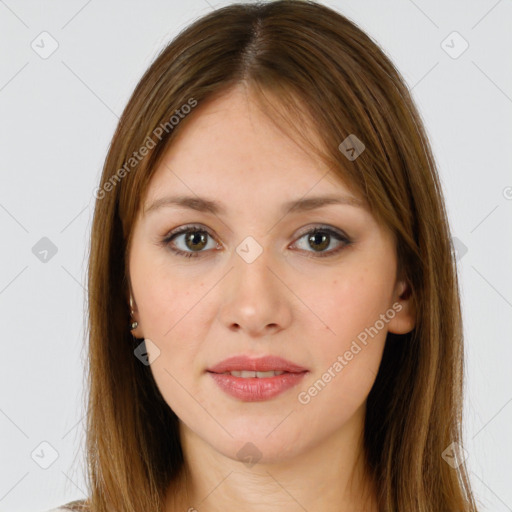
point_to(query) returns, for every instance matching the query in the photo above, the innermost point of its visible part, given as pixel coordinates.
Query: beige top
(65, 507)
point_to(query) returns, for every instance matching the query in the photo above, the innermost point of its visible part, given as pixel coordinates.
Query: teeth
(245, 374)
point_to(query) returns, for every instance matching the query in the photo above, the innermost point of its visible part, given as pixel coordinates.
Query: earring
(134, 324)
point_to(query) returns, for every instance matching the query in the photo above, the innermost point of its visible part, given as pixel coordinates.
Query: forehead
(229, 145)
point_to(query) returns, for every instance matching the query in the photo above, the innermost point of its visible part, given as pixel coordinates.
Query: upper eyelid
(197, 227)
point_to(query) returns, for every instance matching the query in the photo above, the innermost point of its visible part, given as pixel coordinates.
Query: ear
(134, 317)
(403, 304)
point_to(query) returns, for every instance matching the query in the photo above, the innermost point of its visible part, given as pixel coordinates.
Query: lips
(251, 380)
(261, 364)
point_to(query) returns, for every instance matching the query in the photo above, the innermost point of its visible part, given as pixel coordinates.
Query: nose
(254, 297)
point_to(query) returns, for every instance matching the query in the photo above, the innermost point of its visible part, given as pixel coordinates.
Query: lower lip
(253, 389)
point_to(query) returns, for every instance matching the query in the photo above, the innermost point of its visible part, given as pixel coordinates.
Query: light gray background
(57, 116)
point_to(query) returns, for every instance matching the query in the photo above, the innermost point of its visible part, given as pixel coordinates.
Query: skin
(288, 302)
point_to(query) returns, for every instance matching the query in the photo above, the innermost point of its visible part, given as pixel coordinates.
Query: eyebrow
(202, 204)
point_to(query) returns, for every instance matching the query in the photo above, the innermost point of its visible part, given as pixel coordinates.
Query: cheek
(348, 352)
(351, 300)
(166, 311)
(164, 293)
(176, 311)
(173, 319)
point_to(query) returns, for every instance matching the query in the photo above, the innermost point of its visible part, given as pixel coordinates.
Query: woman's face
(258, 282)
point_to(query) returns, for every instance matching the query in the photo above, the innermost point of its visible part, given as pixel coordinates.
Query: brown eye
(320, 238)
(189, 241)
(196, 240)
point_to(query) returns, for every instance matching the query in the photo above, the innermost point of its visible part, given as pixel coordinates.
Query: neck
(331, 476)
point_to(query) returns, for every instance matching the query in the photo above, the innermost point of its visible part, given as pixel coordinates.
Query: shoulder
(76, 506)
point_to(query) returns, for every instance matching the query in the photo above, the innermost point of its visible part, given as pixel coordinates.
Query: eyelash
(166, 242)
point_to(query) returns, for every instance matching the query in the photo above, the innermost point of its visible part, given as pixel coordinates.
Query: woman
(274, 315)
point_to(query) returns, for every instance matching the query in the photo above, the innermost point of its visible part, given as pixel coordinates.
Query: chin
(258, 443)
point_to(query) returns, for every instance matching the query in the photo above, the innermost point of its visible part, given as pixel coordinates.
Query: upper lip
(260, 364)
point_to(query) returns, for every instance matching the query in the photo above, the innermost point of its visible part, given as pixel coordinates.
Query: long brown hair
(303, 61)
